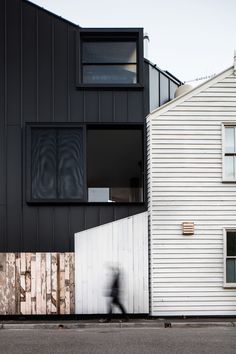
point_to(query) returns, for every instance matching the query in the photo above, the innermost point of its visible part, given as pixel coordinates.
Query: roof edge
(29, 2)
(164, 72)
(173, 103)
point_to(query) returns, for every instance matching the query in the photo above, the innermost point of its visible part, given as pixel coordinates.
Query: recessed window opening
(114, 165)
(109, 62)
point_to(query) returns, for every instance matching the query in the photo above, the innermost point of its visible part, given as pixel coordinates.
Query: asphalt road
(124, 340)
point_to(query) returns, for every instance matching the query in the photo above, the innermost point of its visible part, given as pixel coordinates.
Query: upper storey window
(110, 58)
(229, 153)
(109, 62)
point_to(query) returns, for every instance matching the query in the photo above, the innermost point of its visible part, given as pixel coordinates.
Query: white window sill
(229, 285)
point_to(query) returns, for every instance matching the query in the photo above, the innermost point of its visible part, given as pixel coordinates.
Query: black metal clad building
(56, 87)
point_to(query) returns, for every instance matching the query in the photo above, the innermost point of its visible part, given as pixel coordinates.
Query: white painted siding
(123, 243)
(185, 184)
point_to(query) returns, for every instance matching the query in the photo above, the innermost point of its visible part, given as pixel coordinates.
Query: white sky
(189, 38)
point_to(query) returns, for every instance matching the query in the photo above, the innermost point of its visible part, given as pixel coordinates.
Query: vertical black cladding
(14, 187)
(106, 106)
(60, 68)
(13, 57)
(2, 112)
(29, 63)
(38, 71)
(3, 241)
(45, 66)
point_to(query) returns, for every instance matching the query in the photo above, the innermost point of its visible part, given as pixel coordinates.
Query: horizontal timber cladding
(185, 185)
(37, 283)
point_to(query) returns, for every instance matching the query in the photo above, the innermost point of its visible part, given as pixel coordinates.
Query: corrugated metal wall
(185, 184)
(122, 243)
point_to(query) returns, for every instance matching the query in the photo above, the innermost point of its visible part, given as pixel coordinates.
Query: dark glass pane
(109, 52)
(231, 243)
(70, 164)
(43, 163)
(115, 165)
(230, 271)
(164, 89)
(109, 74)
(153, 88)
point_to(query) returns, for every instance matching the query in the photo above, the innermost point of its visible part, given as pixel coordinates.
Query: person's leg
(110, 308)
(109, 313)
(121, 307)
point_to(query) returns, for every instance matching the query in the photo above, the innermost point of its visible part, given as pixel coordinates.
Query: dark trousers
(115, 301)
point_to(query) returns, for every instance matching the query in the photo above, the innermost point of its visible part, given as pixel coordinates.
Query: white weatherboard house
(192, 201)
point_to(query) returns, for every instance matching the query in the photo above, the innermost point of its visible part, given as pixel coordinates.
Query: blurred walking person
(114, 295)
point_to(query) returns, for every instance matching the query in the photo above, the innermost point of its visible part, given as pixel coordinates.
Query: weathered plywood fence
(37, 283)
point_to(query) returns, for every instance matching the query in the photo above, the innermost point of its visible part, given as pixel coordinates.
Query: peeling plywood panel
(72, 282)
(33, 284)
(43, 284)
(10, 284)
(2, 283)
(36, 283)
(62, 283)
(28, 284)
(18, 289)
(67, 283)
(48, 284)
(54, 308)
(22, 283)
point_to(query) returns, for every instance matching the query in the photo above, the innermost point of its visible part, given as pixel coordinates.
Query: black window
(110, 58)
(230, 257)
(109, 62)
(58, 171)
(57, 164)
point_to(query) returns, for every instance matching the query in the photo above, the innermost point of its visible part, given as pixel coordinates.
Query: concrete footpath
(116, 323)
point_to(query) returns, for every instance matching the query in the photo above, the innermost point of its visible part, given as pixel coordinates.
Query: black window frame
(226, 283)
(109, 35)
(85, 127)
